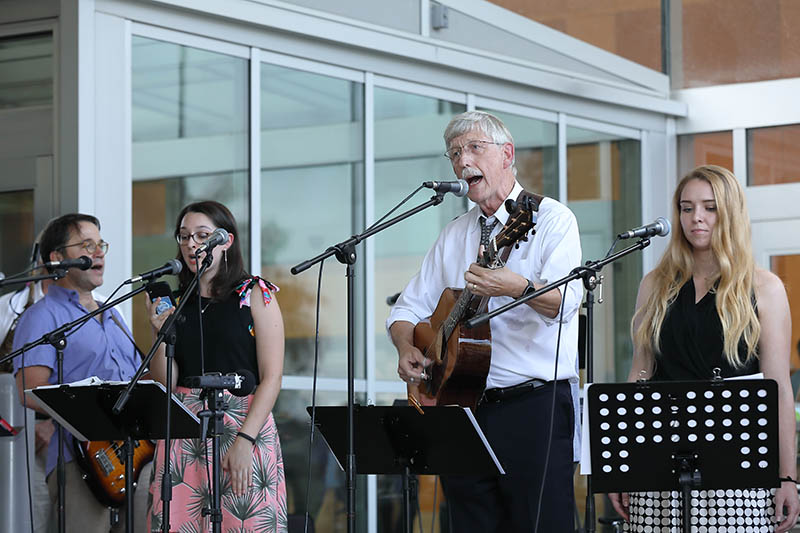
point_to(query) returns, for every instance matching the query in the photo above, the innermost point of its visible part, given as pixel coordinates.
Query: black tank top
(692, 341)
(228, 336)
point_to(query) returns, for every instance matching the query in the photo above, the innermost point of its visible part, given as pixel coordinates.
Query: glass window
(409, 148)
(604, 192)
(312, 152)
(16, 233)
(326, 501)
(714, 148)
(26, 70)
(787, 268)
(190, 142)
(536, 152)
(773, 155)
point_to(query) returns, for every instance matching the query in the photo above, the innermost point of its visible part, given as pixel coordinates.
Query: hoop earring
(225, 258)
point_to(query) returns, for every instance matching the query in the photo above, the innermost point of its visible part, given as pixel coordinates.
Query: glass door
(776, 245)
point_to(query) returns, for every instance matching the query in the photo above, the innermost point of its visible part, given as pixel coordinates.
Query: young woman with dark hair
(242, 329)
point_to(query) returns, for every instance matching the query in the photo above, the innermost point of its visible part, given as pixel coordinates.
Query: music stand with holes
(684, 435)
(85, 410)
(400, 440)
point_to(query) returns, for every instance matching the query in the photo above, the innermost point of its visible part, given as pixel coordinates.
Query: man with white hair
(528, 387)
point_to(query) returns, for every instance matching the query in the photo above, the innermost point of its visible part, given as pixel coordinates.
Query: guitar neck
(457, 313)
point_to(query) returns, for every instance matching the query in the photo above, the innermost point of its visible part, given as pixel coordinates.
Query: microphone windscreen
(665, 226)
(176, 266)
(248, 383)
(85, 262)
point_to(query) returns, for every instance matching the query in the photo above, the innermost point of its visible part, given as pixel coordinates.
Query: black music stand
(84, 409)
(400, 440)
(684, 435)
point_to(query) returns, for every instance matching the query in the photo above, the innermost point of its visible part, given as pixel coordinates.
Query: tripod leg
(407, 521)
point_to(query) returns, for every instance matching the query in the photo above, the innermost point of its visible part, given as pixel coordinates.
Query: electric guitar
(103, 465)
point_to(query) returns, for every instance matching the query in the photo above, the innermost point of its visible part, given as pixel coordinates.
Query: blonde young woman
(706, 305)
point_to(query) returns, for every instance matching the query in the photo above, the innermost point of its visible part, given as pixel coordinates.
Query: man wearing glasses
(102, 347)
(526, 382)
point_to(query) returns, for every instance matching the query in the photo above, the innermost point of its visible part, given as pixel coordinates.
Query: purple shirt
(95, 349)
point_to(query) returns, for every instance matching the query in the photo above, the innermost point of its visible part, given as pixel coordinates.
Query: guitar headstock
(519, 223)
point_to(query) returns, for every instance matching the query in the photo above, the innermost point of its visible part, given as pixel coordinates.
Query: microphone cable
(26, 429)
(313, 395)
(552, 410)
(395, 208)
(613, 245)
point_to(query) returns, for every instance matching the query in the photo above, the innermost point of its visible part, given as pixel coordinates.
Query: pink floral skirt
(263, 508)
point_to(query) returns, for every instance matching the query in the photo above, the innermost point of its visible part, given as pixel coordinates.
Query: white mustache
(470, 172)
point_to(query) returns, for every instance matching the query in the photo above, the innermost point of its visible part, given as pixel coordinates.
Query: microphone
(83, 263)
(219, 236)
(239, 383)
(459, 187)
(660, 227)
(172, 267)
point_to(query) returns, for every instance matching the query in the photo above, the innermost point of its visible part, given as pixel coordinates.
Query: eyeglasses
(199, 237)
(89, 246)
(476, 147)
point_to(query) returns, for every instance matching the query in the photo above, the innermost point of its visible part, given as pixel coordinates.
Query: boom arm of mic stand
(591, 267)
(16, 280)
(70, 325)
(355, 239)
(169, 324)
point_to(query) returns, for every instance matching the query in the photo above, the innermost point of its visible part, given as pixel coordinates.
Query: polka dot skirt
(712, 511)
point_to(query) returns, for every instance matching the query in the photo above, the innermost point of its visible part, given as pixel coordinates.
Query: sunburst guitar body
(103, 465)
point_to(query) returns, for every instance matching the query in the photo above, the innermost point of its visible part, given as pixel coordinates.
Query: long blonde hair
(730, 244)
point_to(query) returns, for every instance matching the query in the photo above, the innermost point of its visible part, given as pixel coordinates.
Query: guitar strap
(125, 331)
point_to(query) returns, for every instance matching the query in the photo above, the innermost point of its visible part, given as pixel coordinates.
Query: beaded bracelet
(787, 478)
(245, 436)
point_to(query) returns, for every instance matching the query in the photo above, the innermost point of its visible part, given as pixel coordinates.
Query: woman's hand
(238, 463)
(620, 501)
(786, 500)
(156, 321)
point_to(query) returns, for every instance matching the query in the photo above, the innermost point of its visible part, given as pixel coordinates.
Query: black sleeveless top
(228, 337)
(692, 341)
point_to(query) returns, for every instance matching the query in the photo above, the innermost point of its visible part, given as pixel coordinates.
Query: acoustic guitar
(460, 357)
(103, 466)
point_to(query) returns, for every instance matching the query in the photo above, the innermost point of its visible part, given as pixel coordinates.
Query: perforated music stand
(684, 435)
(400, 440)
(85, 410)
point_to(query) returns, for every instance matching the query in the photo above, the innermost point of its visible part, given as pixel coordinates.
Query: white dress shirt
(13, 304)
(524, 341)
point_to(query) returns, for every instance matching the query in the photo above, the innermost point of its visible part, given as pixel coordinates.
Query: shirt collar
(501, 214)
(66, 295)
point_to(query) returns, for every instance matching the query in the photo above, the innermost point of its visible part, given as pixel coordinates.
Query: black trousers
(518, 430)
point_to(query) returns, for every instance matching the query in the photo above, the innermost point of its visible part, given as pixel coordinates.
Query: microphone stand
(166, 334)
(14, 280)
(217, 405)
(345, 253)
(58, 339)
(589, 274)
